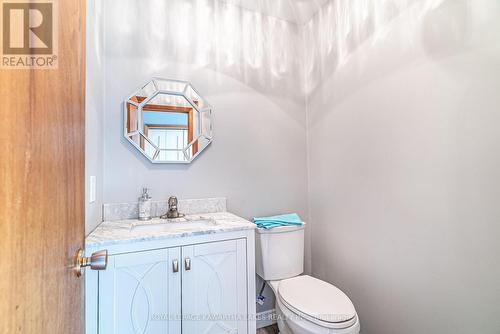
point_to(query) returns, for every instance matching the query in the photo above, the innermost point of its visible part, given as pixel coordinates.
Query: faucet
(172, 209)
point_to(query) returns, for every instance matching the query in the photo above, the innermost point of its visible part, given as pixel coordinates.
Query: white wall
(404, 154)
(94, 102)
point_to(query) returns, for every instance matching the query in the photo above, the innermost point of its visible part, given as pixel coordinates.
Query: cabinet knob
(187, 263)
(175, 266)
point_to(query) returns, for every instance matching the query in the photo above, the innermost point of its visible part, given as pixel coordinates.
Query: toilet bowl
(307, 305)
(304, 304)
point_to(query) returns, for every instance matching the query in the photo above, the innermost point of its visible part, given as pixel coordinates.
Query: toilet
(304, 304)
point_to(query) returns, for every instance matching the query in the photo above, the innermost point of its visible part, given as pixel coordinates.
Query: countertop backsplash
(121, 211)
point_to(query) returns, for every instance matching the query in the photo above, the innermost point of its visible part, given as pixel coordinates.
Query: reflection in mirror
(168, 121)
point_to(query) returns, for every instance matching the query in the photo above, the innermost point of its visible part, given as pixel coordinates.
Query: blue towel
(291, 219)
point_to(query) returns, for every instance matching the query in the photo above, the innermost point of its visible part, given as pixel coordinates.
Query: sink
(174, 225)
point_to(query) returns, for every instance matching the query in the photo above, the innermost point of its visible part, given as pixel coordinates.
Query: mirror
(168, 121)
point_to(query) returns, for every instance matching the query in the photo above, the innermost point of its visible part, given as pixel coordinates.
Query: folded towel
(290, 219)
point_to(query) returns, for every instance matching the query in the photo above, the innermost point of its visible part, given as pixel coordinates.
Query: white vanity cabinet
(139, 292)
(188, 285)
(214, 287)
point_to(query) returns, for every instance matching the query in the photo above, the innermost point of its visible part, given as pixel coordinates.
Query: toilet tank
(279, 252)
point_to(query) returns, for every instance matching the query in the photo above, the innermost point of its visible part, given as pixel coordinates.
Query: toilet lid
(316, 299)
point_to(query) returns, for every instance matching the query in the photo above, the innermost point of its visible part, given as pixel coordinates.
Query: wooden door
(141, 293)
(214, 288)
(42, 119)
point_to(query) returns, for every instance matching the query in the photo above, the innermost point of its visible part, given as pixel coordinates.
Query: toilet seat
(317, 301)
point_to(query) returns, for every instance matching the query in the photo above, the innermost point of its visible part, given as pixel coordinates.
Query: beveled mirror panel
(168, 121)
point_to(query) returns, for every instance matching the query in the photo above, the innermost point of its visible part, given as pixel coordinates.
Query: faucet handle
(172, 211)
(172, 201)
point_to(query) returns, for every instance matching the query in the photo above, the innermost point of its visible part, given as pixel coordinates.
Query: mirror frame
(207, 108)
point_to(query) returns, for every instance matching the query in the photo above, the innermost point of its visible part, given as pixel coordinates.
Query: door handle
(97, 261)
(175, 266)
(187, 264)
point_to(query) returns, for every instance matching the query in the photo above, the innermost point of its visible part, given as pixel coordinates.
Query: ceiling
(298, 11)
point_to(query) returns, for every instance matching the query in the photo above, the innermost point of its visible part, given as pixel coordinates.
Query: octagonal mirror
(168, 121)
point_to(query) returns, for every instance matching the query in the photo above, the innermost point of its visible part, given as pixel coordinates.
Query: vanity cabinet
(138, 293)
(214, 287)
(203, 286)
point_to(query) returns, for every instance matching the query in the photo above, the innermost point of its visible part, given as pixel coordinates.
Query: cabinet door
(214, 288)
(140, 293)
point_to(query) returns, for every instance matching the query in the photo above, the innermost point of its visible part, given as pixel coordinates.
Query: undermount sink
(179, 224)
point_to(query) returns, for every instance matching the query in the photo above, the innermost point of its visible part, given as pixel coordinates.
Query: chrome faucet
(172, 209)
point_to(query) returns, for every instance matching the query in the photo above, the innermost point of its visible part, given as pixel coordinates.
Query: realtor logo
(29, 35)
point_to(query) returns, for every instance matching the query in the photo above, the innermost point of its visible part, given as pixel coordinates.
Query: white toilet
(304, 304)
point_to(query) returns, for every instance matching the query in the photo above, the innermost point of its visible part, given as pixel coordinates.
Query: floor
(268, 330)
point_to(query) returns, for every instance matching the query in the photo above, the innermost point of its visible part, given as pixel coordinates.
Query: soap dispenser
(145, 205)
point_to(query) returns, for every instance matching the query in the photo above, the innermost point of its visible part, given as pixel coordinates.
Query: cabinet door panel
(140, 293)
(214, 290)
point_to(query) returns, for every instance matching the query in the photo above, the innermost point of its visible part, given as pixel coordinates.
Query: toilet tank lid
(281, 229)
(317, 299)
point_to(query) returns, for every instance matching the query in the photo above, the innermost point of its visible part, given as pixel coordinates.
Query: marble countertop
(124, 231)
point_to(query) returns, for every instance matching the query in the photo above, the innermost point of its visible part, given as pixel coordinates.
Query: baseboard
(265, 318)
